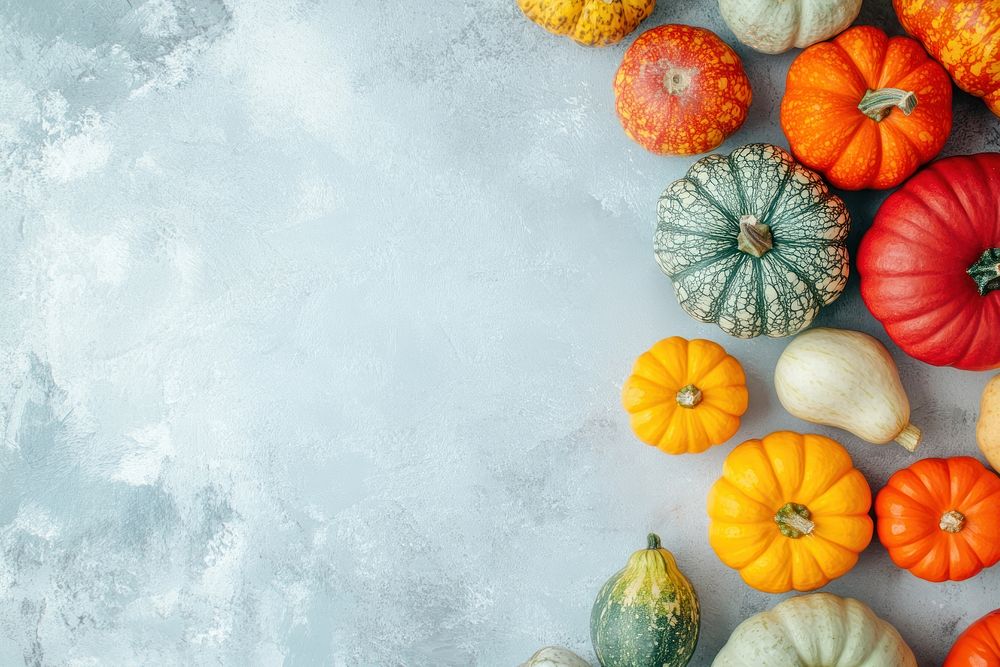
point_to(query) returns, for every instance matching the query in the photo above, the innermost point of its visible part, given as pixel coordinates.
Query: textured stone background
(314, 320)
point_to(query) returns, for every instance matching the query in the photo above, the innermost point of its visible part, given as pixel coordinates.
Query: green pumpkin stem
(986, 271)
(878, 104)
(793, 521)
(653, 540)
(689, 396)
(755, 237)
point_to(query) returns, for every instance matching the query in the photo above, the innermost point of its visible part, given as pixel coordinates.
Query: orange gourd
(685, 396)
(588, 22)
(979, 645)
(866, 110)
(940, 518)
(681, 90)
(964, 37)
(790, 512)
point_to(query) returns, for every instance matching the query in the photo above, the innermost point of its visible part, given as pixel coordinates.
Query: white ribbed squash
(816, 629)
(775, 26)
(555, 656)
(845, 379)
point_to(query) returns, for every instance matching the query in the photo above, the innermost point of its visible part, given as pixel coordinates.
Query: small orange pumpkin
(685, 396)
(866, 110)
(979, 645)
(940, 518)
(681, 90)
(588, 22)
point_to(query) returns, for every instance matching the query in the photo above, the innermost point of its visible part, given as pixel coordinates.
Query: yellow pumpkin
(790, 512)
(589, 22)
(685, 396)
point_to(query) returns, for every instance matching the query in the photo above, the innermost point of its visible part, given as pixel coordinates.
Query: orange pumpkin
(866, 110)
(979, 645)
(681, 90)
(940, 518)
(964, 37)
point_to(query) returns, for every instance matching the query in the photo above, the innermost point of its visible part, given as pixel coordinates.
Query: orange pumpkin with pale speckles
(588, 22)
(964, 36)
(866, 110)
(681, 90)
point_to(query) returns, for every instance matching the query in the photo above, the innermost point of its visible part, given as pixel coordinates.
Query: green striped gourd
(647, 614)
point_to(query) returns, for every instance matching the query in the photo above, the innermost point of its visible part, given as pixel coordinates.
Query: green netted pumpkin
(753, 242)
(647, 614)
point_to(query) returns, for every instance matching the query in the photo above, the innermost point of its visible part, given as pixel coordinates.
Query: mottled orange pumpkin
(866, 110)
(681, 90)
(964, 37)
(588, 22)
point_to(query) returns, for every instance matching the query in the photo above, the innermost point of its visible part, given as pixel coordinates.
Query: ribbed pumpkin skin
(681, 90)
(964, 37)
(588, 22)
(697, 242)
(979, 645)
(647, 614)
(828, 132)
(914, 263)
(650, 395)
(814, 630)
(775, 26)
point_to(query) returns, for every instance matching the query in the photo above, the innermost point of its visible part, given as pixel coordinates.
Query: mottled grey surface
(314, 319)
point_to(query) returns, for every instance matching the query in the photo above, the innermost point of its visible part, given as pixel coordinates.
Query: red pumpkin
(681, 90)
(930, 264)
(979, 645)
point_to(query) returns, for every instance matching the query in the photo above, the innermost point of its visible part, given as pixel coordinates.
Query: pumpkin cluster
(754, 241)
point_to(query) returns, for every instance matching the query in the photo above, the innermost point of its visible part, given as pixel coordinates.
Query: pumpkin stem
(793, 521)
(653, 540)
(986, 271)
(755, 237)
(909, 437)
(675, 79)
(878, 104)
(689, 396)
(952, 521)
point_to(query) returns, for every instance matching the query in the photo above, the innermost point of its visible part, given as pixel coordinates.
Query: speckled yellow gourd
(588, 22)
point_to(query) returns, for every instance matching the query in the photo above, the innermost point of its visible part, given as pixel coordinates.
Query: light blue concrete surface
(313, 321)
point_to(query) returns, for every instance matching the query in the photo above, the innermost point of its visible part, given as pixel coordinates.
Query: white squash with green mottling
(775, 26)
(813, 630)
(753, 242)
(555, 656)
(845, 379)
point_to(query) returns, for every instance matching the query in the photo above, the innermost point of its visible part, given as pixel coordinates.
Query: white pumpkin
(817, 629)
(774, 26)
(555, 656)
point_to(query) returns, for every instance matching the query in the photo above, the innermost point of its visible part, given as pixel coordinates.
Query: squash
(846, 379)
(866, 110)
(775, 26)
(753, 242)
(681, 90)
(963, 36)
(555, 656)
(979, 645)
(685, 396)
(940, 518)
(988, 425)
(588, 22)
(789, 512)
(647, 614)
(930, 264)
(817, 629)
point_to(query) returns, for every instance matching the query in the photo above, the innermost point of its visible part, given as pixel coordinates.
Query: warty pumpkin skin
(681, 90)
(866, 110)
(790, 512)
(930, 264)
(813, 630)
(964, 36)
(775, 26)
(588, 22)
(940, 518)
(753, 242)
(979, 645)
(685, 396)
